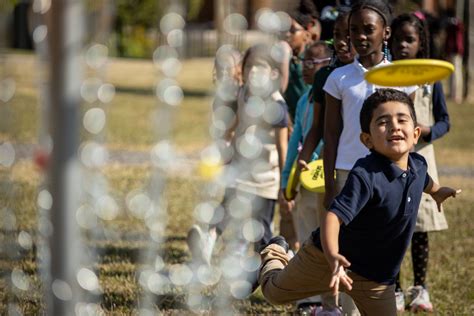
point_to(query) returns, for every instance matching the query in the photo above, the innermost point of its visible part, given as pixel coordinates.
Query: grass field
(451, 276)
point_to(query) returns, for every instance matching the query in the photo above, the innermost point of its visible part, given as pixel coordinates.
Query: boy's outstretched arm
(438, 193)
(330, 225)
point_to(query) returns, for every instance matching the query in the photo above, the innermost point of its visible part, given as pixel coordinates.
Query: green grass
(134, 113)
(450, 276)
(457, 147)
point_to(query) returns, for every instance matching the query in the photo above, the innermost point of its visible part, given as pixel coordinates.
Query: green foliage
(133, 20)
(144, 13)
(194, 7)
(136, 43)
(8, 5)
(136, 18)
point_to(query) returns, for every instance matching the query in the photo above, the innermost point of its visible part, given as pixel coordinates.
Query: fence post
(65, 41)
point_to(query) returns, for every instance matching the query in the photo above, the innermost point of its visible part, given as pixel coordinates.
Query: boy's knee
(273, 297)
(270, 291)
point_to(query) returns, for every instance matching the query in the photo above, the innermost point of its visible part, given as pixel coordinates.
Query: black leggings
(419, 255)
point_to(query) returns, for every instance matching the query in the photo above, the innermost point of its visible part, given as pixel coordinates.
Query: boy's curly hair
(379, 97)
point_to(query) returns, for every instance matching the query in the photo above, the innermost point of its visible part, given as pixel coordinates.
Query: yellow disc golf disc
(291, 182)
(209, 169)
(409, 72)
(313, 179)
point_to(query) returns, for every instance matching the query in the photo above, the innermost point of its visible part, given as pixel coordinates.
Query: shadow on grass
(151, 91)
(173, 250)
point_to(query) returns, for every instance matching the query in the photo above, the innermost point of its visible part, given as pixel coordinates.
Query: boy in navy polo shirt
(369, 224)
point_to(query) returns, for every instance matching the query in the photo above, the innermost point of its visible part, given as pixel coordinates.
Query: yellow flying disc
(291, 181)
(209, 169)
(313, 179)
(409, 72)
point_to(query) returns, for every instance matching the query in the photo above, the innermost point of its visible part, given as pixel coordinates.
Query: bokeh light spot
(171, 21)
(253, 230)
(162, 53)
(45, 200)
(106, 93)
(40, 33)
(208, 275)
(25, 240)
(254, 107)
(90, 88)
(61, 290)
(85, 217)
(41, 6)
(94, 120)
(20, 280)
(240, 289)
(180, 274)
(175, 38)
(96, 56)
(88, 280)
(235, 23)
(107, 208)
(7, 89)
(7, 154)
(171, 67)
(138, 203)
(94, 155)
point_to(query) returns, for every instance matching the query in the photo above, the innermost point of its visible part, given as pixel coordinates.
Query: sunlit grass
(130, 127)
(131, 116)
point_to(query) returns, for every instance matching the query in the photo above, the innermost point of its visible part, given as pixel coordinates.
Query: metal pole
(65, 36)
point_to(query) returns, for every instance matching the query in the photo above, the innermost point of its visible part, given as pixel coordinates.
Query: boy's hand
(303, 165)
(442, 194)
(338, 263)
(286, 206)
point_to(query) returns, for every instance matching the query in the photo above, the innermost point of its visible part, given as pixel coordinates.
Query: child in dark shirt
(369, 224)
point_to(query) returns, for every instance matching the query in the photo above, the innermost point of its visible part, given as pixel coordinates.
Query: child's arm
(439, 194)
(281, 135)
(441, 117)
(330, 225)
(293, 143)
(332, 133)
(314, 135)
(230, 132)
(285, 66)
(312, 139)
(287, 204)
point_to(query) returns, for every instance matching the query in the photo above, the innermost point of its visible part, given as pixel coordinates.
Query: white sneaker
(400, 301)
(419, 299)
(201, 244)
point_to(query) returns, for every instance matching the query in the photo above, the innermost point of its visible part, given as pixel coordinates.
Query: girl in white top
(346, 89)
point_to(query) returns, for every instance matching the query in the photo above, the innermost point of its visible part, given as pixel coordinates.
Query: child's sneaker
(327, 312)
(307, 309)
(400, 301)
(419, 299)
(200, 244)
(280, 241)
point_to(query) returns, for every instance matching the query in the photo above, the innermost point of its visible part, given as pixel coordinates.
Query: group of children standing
(356, 233)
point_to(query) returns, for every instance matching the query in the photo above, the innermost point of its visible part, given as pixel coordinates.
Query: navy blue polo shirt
(378, 207)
